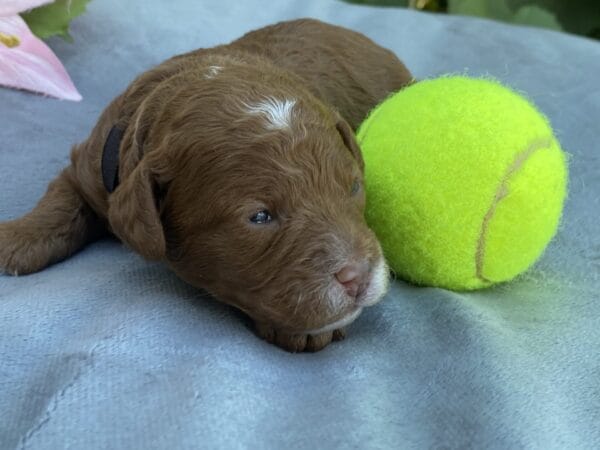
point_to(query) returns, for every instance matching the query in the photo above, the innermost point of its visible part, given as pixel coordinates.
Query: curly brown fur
(211, 138)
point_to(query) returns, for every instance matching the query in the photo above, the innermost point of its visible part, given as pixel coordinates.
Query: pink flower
(25, 61)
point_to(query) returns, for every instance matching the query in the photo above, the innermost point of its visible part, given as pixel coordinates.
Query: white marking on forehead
(277, 112)
(213, 71)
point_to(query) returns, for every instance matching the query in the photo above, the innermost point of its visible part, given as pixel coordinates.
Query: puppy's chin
(344, 321)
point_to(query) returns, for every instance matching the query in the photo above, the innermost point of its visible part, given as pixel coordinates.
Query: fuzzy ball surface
(465, 182)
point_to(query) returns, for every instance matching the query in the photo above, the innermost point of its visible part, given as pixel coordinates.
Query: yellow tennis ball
(465, 182)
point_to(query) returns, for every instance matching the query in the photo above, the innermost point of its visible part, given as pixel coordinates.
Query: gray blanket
(106, 350)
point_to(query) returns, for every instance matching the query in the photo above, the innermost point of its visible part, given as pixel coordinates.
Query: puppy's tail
(60, 224)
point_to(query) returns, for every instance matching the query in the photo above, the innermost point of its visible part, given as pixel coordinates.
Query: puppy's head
(257, 196)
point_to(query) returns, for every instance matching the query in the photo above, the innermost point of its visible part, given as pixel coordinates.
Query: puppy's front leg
(59, 225)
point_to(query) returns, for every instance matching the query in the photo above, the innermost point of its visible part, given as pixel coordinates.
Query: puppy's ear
(349, 140)
(133, 212)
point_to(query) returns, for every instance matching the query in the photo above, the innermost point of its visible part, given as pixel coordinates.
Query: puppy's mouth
(346, 320)
(372, 293)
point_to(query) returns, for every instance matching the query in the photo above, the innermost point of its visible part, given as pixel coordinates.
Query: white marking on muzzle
(378, 286)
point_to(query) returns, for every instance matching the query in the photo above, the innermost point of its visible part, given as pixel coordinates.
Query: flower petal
(31, 64)
(12, 7)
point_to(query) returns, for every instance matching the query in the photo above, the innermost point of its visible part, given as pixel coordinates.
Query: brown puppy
(237, 167)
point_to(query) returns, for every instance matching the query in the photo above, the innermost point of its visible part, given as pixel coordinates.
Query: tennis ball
(465, 182)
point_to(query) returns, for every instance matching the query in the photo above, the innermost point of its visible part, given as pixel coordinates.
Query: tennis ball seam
(502, 191)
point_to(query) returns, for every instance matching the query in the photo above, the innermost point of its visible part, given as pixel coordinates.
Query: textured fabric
(106, 350)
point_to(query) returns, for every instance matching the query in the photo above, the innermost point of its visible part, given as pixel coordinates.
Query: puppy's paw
(17, 257)
(298, 342)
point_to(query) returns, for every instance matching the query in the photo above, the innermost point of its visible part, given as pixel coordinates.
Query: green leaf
(536, 16)
(380, 2)
(523, 12)
(492, 9)
(54, 19)
(575, 16)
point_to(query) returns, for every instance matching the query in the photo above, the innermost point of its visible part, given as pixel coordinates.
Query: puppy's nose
(354, 277)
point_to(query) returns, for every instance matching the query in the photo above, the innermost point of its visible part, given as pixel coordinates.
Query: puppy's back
(343, 68)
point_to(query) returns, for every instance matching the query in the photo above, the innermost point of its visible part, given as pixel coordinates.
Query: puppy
(237, 166)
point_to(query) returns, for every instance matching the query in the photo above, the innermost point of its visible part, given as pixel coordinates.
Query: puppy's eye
(355, 187)
(261, 217)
